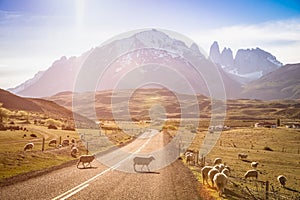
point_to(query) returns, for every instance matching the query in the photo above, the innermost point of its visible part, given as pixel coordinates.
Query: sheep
(190, 157)
(211, 175)
(220, 181)
(282, 180)
(251, 173)
(74, 151)
(73, 140)
(254, 164)
(65, 143)
(142, 161)
(52, 142)
(242, 156)
(28, 146)
(204, 172)
(217, 161)
(221, 167)
(86, 159)
(226, 172)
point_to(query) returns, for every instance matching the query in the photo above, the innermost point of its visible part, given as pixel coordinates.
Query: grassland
(284, 159)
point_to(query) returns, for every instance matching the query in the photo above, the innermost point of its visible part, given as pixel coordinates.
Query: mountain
(42, 106)
(247, 65)
(283, 83)
(156, 58)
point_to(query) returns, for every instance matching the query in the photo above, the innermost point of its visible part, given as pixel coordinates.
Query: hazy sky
(35, 33)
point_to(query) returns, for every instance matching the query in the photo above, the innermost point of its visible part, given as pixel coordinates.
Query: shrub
(52, 126)
(33, 135)
(268, 149)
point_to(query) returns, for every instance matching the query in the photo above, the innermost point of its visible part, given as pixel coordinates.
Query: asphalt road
(113, 181)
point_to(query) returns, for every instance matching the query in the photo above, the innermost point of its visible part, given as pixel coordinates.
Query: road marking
(74, 192)
(83, 185)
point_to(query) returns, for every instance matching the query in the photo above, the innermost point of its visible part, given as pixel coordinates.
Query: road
(115, 181)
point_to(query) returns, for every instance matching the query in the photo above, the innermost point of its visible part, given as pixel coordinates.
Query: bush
(268, 149)
(52, 126)
(33, 135)
(68, 128)
(2, 127)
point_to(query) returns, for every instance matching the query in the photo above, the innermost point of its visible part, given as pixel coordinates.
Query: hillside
(283, 83)
(140, 104)
(48, 108)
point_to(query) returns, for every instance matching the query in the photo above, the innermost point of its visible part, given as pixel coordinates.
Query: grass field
(284, 159)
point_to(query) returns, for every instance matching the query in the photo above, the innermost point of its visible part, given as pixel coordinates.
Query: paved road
(101, 182)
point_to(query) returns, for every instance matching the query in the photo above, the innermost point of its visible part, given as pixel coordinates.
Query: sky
(35, 33)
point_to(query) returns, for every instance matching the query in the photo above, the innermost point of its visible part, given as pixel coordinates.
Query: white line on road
(83, 185)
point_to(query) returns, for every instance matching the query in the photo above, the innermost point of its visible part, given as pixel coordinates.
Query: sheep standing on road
(220, 181)
(282, 180)
(142, 161)
(204, 171)
(226, 172)
(28, 146)
(86, 159)
(251, 173)
(65, 142)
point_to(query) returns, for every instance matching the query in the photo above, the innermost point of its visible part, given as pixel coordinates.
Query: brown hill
(49, 108)
(142, 102)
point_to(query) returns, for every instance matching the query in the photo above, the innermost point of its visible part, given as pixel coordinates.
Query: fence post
(197, 157)
(267, 190)
(59, 139)
(87, 148)
(43, 144)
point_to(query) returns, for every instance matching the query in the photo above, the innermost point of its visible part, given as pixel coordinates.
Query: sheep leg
(134, 167)
(142, 167)
(148, 168)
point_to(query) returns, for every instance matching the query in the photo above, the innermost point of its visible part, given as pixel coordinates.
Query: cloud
(281, 38)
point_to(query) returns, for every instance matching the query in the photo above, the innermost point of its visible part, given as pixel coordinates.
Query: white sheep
(28, 146)
(254, 164)
(204, 172)
(220, 181)
(217, 161)
(211, 175)
(226, 172)
(74, 151)
(86, 159)
(190, 157)
(52, 142)
(65, 143)
(221, 167)
(142, 161)
(242, 156)
(251, 173)
(282, 180)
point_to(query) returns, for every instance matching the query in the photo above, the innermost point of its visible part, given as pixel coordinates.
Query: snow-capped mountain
(248, 64)
(164, 61)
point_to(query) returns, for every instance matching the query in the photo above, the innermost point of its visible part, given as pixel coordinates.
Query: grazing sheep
(254, 164)
(220, 181)
(142, 161)
(217, 161)
(221, 167)
(52, 142)
(86, 159)
(73, 140)
(282, 180)
(226, 172)
(65, 143)
(204, 172)
(211, 175)
(190, 157)
(242, 156)
(28, 146)
(251, 173)
(74, 151)
(227, 167)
